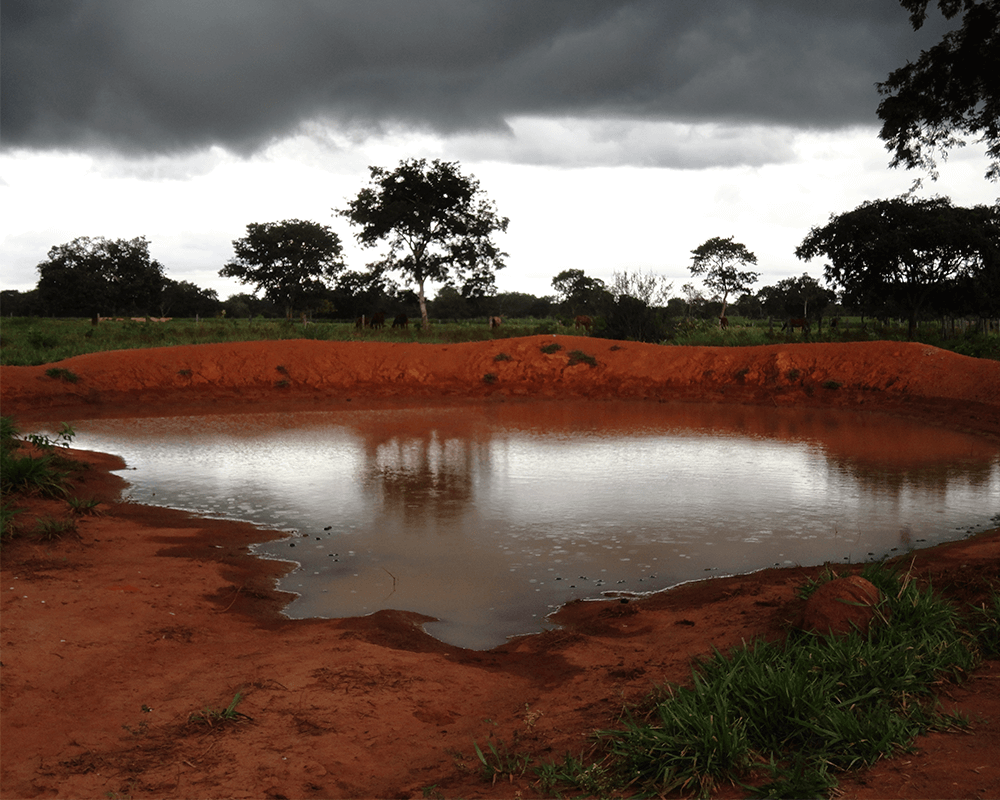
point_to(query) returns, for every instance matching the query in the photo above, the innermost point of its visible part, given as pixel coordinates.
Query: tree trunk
(424, 322)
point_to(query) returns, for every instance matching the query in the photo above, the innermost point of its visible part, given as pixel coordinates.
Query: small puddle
(490, 516)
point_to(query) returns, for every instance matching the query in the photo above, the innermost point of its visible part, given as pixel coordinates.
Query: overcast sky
(615, 134)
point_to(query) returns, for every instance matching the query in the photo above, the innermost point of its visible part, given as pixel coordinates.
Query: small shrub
(548, 349)
(184, 373)
(284, 383)
(831, 385)
(490, 377)
(64, 436)
(59, 373)
(792, 374)
(501, 357)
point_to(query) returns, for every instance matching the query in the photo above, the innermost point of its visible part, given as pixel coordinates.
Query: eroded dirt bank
(113, 639)
(907, 378)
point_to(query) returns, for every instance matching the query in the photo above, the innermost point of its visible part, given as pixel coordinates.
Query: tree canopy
(718, 261)
(581, 294)
(438, 223)
(286, 260)
(98, 276)
(952, 90)
(896, 253)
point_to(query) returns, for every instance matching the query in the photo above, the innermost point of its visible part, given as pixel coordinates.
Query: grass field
(31, 341)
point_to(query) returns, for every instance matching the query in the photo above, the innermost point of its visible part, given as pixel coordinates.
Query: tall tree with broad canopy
(579, 293)
(803, 296)
(286, 260)
(98, 276)
(438, 223)
(951, 91)
(902, 250)
(718, 262)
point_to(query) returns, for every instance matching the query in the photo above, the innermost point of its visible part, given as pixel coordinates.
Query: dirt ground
(112, 639)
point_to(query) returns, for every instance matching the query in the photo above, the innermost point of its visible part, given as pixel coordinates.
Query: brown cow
(495, 322)
(724, 323)
(583, 321)
(400, 321)
(361, 322)
(378, 320)
(797, 322)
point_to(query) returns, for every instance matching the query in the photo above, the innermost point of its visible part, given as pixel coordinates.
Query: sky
(615, 134)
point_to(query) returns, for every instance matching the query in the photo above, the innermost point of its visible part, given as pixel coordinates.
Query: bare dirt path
(110, 641)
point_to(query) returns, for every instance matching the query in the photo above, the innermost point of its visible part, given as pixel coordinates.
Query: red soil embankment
(900, 377)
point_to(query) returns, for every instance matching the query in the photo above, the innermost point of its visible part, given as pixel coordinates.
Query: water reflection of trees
(934, 479)
(425, 476)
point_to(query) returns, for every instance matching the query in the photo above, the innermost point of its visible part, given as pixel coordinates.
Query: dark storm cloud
(163, 76)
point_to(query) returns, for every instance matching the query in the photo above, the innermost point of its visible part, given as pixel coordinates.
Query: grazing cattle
(798, 322)
(835, 322)
(400, 321)
(378, 320)
(583, 321)
(724, 323)
(495, 322)
(361, 322)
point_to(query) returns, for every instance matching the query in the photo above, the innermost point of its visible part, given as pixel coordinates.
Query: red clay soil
(111, 640)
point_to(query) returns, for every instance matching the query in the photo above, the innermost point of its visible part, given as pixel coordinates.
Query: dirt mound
(908, 378)
(113, 640)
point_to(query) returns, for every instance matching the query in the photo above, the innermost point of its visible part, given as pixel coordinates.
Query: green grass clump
(59, 373)
(549, 349)
(579, 357)
(211, 717)
(499, 761)
(795, 712)
(46, 473)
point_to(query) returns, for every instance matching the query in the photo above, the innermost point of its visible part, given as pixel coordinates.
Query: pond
(490, 516)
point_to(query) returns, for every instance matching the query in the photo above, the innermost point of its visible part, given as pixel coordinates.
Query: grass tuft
(59, 373)
(579, 357)
(211, 717)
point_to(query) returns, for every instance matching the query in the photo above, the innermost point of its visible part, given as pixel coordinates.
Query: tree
(898, 252)
(184, 299)
(581, 294)
(719, 260)
(650, 288)
(438, 224)
(287, 260)
(98, 276)
(950, 91)
(692, 296)
(802, 295)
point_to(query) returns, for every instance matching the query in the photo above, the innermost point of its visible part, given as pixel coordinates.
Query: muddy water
(489, 516)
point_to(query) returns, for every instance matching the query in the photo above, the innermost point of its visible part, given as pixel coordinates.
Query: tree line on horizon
(900, 257)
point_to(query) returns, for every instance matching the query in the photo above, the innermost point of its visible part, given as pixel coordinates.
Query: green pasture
(31, 341)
